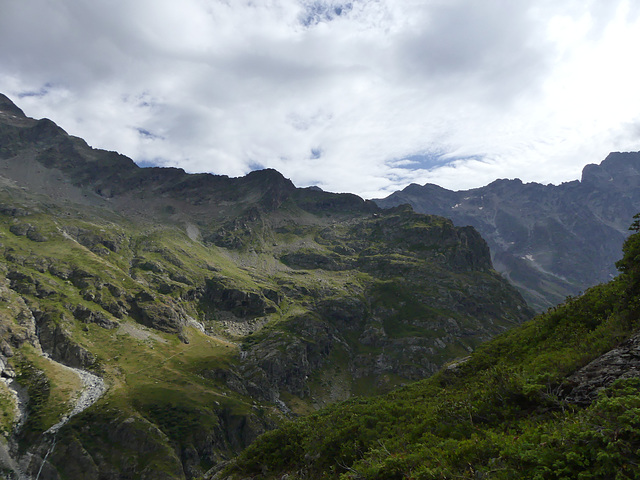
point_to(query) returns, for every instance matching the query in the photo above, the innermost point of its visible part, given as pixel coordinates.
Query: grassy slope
(149, 372)
(501, 414)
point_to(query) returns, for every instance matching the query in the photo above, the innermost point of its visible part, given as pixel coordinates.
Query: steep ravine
(9, 458)
(30, 464)
(93, 388)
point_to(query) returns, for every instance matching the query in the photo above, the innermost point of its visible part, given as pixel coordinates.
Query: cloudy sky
(362, 96)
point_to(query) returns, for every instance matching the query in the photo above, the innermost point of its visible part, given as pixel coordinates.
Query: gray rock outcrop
(620, 363)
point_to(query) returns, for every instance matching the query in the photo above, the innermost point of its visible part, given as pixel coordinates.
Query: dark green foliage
(38, 388)
(630, 263)
(128, 446)
(505, 413)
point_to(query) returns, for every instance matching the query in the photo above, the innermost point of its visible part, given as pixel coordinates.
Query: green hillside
(528, 404)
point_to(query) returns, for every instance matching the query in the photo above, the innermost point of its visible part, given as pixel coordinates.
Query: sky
(360, 96)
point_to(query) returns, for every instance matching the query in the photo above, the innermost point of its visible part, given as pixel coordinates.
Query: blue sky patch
(428, 161)
(320, 11)
(44, 90)
(315, 153)
(143, 132)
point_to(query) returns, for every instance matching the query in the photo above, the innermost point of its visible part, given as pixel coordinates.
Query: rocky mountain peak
(505, 183)
(619, 170)
(275, 186)
(7, 106)
(271, 176)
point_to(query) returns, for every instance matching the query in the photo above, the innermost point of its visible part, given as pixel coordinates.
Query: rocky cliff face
(620, 363)
(212, 307)
(550, 241)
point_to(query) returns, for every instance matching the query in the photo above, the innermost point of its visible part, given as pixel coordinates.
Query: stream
(93, 388)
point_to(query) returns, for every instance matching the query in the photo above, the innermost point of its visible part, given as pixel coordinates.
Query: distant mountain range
(549, 241)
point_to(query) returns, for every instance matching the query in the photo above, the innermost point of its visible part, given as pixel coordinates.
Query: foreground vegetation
(508, 411)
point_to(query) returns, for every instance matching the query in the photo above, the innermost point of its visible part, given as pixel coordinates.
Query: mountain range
(156, 324)
(153, 323)
(550, 241)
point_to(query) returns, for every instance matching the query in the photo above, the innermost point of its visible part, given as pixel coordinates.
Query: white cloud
(335, 93)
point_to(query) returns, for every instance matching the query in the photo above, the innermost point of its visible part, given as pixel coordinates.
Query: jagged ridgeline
(556, 398)
(212, 308)
(550, 241)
